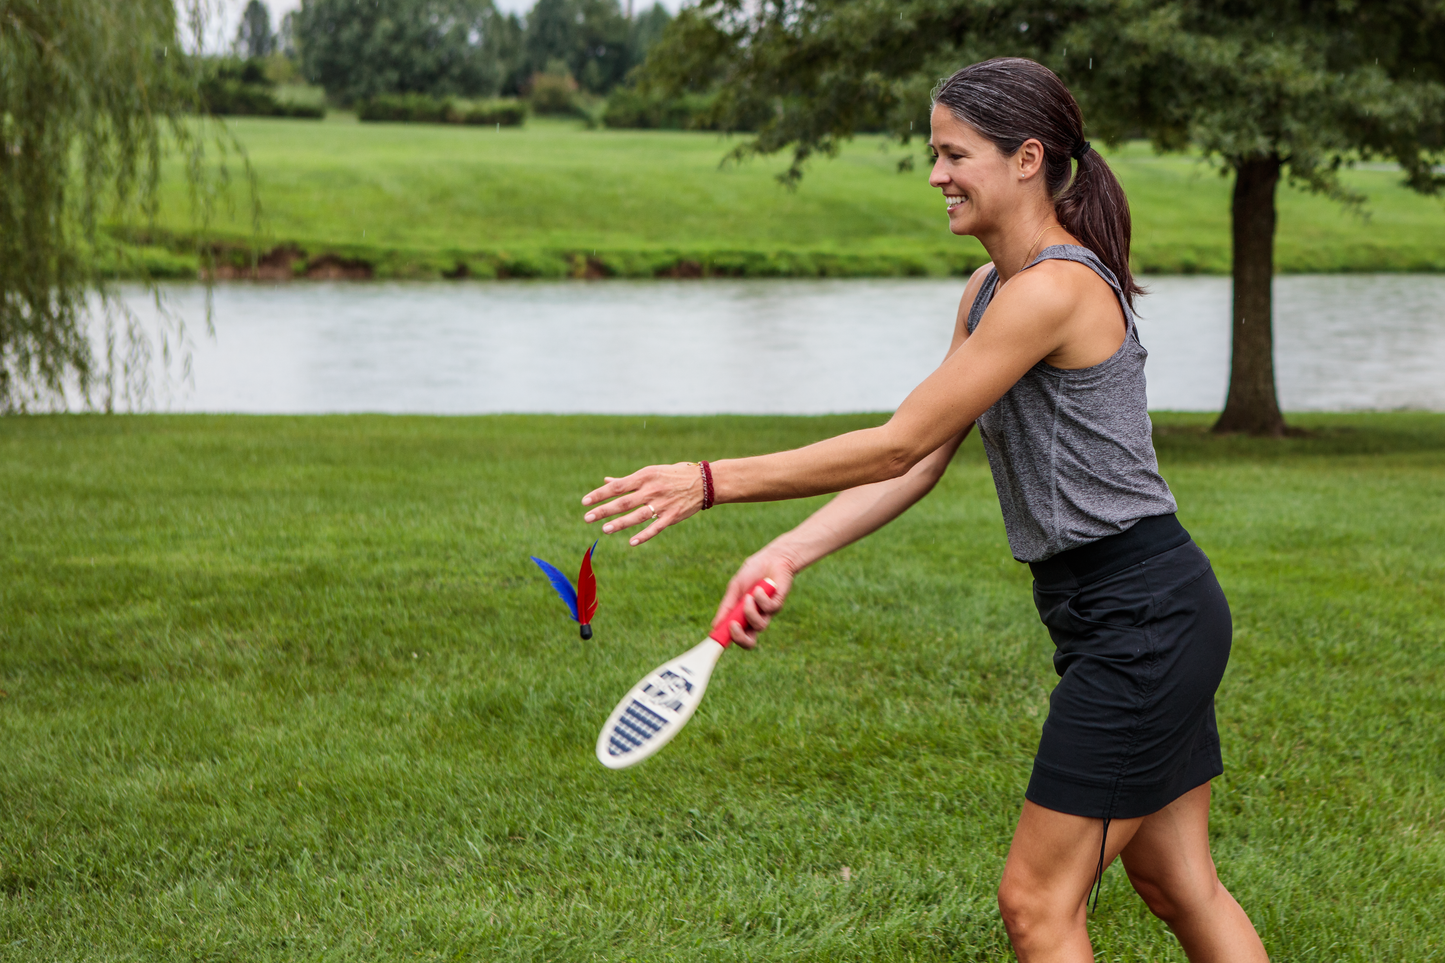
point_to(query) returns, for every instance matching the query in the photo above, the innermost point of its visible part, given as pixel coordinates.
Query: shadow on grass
(1187, 436)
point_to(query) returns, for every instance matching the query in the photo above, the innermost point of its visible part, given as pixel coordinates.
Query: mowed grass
(544, 199)
(289, 688)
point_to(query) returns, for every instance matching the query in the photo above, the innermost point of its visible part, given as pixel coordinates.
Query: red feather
(586, 589)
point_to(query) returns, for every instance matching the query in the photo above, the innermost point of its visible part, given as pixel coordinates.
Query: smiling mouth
(954, 200)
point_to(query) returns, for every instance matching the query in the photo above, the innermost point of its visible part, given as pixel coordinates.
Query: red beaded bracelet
(706, 485)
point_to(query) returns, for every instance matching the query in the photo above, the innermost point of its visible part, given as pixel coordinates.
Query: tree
(1268, 89)
(1290, 90)
(254, 38)
(647, 29)
(286, 37)
(91, 91)
(591, 38)
(357, 49)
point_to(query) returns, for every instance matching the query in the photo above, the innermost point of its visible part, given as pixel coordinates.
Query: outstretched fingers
(650, 531)
(613, 488)
(627, 501)
(635, 517)
(661, 494)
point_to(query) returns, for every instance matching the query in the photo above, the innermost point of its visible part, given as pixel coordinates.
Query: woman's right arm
(851, 515)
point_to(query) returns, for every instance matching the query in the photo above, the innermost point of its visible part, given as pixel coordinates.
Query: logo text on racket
(667, 688)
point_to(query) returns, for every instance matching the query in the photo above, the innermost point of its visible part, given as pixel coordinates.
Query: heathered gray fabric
(1072, 452)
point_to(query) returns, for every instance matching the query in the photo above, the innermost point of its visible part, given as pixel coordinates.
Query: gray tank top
(1072, 451)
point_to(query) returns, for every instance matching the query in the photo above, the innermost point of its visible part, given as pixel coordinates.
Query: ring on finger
(653, 511)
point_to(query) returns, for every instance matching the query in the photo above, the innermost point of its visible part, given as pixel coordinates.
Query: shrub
(507, 113)
(632, 108)
(420, 108)
(552, 93)
(403, 107)
(228, 98)
(309, 111)
(232, 88)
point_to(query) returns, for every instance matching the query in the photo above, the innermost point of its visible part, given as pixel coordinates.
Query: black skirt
(1142, 634)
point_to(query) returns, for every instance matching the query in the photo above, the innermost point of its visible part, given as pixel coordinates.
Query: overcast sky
(223, 29)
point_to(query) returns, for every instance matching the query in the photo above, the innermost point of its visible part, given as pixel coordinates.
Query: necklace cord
(1028, 259)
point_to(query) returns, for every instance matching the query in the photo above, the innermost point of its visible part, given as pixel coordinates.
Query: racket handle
(723, 634)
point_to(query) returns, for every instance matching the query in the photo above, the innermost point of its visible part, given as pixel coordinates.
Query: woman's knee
(1172, 898)
(1155, 896)
(1014, 905)
(1028, 909)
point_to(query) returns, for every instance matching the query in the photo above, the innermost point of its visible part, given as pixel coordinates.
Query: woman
(1045, 360)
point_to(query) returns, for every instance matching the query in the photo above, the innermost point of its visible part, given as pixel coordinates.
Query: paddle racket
(659, 706)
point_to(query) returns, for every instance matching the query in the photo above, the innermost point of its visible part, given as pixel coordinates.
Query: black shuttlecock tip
(586, 632)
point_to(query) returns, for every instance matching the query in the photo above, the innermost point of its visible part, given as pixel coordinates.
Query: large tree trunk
(1252, 406)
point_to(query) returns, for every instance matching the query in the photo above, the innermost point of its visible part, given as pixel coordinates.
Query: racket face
(657, 707)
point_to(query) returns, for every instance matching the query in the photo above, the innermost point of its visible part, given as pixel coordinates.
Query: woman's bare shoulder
(970, 290)
(1067, 306)
(965, 303)
(1073, 277)
(1056, 286)
(975, 280)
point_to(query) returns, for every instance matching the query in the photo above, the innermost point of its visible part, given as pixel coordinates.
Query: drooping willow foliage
(93, 93)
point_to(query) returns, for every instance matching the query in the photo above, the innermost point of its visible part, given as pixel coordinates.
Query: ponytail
(1009, 100)
(1094, 209)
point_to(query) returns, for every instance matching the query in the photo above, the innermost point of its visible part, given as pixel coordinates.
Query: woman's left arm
(1022, 326)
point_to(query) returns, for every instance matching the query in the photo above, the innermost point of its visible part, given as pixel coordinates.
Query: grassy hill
(555, 199)
(290, 689)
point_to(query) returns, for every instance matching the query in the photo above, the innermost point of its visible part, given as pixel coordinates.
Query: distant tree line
(358, 50)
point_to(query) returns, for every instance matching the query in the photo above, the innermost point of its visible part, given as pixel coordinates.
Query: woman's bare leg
(1046, 882)
(1054, 857)
(1169, 864)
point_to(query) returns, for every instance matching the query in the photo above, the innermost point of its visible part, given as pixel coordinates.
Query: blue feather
(561, 584)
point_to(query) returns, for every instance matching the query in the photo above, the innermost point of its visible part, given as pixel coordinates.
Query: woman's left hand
(661, 494)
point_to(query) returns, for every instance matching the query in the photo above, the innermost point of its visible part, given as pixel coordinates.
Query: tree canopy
(1270, 90)
(648, 28)
(254, 38)
(1265, 88)
(89, 92)
(359, 49)
(591, 38)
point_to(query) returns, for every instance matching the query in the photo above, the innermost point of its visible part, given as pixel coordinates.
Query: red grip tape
(723, 634)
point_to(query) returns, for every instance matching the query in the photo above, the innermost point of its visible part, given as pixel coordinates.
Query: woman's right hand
(758, 609)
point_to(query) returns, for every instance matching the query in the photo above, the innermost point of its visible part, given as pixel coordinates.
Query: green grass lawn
(289, 688)
(552, 198)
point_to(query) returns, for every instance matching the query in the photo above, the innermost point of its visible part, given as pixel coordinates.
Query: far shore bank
(341, 200)
(235, 260)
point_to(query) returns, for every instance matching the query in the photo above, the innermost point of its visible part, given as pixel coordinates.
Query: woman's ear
(1029, 158)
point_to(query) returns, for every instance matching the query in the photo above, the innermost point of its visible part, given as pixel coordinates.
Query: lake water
(1343, 342)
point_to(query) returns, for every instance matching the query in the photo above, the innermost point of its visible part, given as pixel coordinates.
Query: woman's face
(981, 185)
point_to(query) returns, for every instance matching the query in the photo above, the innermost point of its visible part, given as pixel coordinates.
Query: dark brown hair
(1009, 100)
